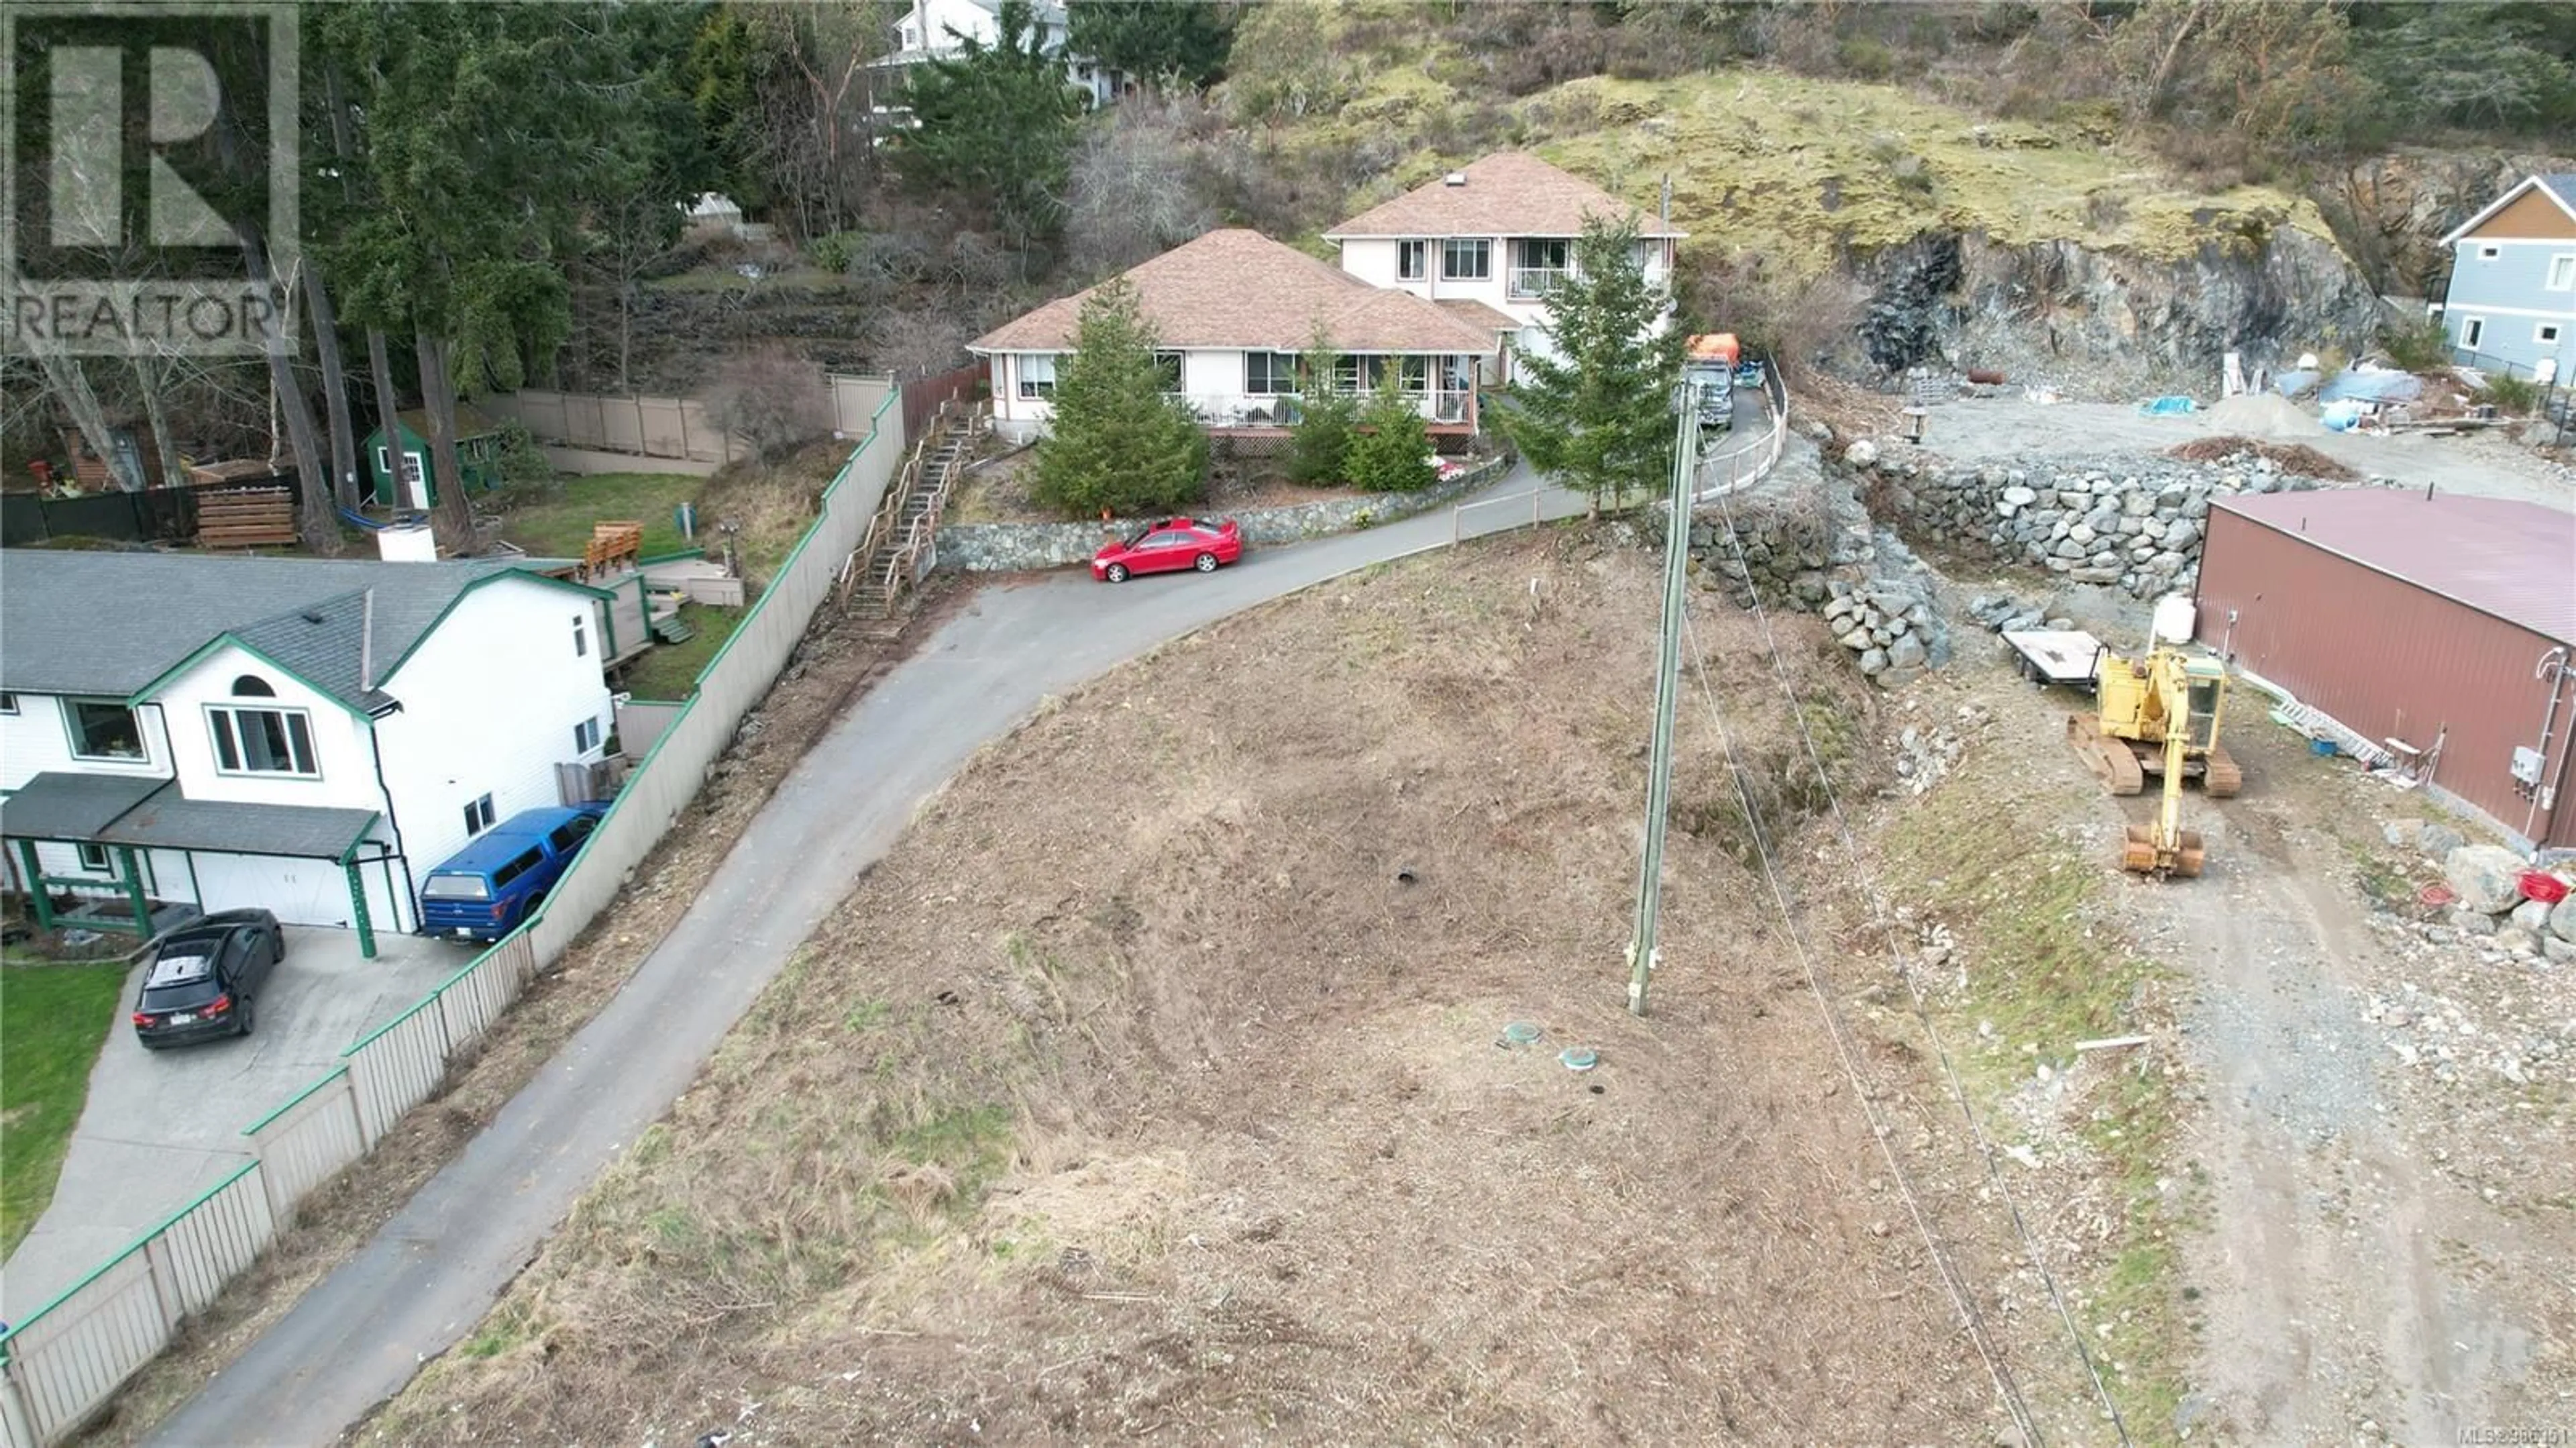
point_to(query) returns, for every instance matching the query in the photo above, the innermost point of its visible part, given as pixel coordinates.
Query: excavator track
(2110, 759)
(2221, 777)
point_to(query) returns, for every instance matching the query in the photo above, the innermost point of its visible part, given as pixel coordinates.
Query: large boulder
(2484, 876)
(2531, 915)
(2438, 841)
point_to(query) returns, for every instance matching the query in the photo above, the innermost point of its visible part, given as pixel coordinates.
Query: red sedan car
(1169, 546)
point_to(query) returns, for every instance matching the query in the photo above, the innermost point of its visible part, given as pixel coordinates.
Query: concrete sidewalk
(432, 1273)
(160, 1127)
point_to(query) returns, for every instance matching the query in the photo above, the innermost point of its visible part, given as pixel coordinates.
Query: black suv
(204, 977)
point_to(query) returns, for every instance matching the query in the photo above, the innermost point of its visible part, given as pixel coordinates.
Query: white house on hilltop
(305, 736)
(1499, 233)
(1232, 311)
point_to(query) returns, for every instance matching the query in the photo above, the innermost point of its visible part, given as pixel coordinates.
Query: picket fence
(62, 1364)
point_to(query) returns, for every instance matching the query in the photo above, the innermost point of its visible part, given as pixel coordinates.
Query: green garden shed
(478, 452)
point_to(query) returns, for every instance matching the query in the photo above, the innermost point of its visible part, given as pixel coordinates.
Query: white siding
(489, 705)
(348, 776)
(38, 738)
(1372, 260)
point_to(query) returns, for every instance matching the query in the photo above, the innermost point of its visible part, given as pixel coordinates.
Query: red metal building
(2431, 620)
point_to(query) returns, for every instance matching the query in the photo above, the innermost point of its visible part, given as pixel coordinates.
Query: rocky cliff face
(2391, 211)
(2114, 323)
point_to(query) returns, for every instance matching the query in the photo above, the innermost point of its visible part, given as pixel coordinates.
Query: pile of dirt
(1162, 1080)
(2262, 415)
(2295, 458)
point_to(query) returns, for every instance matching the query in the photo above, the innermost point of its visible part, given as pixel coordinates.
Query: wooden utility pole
(1659, 760)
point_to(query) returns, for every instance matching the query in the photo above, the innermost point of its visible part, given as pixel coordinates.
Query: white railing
(1227, 409)
(61, 1364)
(1533, 283)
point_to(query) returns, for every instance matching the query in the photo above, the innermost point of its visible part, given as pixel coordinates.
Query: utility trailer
(2057, 656)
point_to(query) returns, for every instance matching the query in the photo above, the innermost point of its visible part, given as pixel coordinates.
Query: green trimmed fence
(61, 1365)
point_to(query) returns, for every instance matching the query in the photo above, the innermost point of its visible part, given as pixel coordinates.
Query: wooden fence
(680, 428)
(61, 1365)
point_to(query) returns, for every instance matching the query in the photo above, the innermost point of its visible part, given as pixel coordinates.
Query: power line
(1905, 971)
(1961, 1298)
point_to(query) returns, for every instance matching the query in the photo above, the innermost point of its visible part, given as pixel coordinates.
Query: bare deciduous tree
(1134, 192)
(766, 401)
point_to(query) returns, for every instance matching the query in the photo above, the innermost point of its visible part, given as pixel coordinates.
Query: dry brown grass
(1138, 1093)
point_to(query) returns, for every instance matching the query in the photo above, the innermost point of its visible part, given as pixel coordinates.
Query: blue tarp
(2164, 406)
(2373, 385)
(2295, 384)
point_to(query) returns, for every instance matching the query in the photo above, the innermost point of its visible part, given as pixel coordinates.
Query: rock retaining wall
(1019, 547)
(2133, 523)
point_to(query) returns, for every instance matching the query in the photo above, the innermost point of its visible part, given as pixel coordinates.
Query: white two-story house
(1232, 312)
(1499, 234)
(203, 733)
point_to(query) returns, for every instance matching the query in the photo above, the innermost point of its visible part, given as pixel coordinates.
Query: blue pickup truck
(483, 891)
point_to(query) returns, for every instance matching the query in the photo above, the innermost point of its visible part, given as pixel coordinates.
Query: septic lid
(1521, 1033)
(1578, 1058)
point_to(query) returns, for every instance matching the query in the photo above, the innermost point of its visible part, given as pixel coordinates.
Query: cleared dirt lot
(1138, 1094)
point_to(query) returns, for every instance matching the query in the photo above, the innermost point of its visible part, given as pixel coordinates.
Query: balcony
(1234, 412)
(1533, 283)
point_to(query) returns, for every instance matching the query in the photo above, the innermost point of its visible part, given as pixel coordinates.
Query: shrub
(2422, 346)
(1392, 451)
(2511, 395)
(1319, 446)
(834, 253)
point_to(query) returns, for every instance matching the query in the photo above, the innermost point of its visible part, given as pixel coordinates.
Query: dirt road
(1972, 430)
(2340, 1270)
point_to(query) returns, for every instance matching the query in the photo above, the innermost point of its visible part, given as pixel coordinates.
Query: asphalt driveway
(358, 1336)
(160, 1127)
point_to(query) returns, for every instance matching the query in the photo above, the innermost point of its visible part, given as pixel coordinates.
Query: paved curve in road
(433, 1271)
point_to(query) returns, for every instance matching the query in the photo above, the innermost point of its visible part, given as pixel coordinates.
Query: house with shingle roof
(2511, 304)
(1498, 235)
(305, 736)
(1232, 311)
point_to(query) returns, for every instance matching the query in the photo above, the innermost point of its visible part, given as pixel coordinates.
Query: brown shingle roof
(1478, 315)
(1238, 288)
(1509, 194)
(2498, 556)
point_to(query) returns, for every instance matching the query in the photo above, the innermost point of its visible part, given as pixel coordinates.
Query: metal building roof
(2514, 560)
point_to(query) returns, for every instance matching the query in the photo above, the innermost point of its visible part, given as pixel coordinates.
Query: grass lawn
(53, 1020)
(554, 522)
(670, 671)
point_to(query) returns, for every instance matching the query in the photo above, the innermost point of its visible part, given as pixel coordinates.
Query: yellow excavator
(2158, 715)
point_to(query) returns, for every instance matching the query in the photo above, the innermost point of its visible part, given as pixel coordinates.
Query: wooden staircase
(897, 549)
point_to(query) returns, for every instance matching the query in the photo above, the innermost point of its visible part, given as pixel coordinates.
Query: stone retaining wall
(1020, 547)
(2129, 522)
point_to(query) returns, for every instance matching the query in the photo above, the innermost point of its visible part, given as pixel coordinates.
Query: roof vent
(1454, 178)
(311, 615)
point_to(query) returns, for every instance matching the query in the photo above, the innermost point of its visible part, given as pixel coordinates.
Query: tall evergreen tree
(1117, 444)
(1158, 42)
(1598, 416)
(996, 123)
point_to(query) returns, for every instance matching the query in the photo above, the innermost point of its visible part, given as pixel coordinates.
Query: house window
(1362, 374)
(1269, 374)
(580, 636)
(2472, 332)
(8, 703)
(2562, 273)
(478, 816)
(1467, 259)
(2546, 333)
(93, 858)
(585, 736)
(1538, 264)
(1168, 366)
(262, 741)
(1037, 375)
(104, 729)
(2489, 253)
(252, 686)
(1412, 260)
